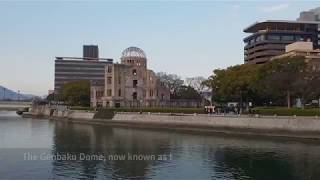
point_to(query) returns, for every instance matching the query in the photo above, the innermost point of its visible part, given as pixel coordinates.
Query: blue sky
(185, 38)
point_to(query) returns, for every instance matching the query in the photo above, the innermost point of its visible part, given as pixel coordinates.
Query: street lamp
(4, 93)
(18, 95)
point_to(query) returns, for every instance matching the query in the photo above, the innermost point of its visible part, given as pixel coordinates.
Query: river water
(44, 149)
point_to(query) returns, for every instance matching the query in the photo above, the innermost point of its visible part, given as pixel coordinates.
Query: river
(44, 149)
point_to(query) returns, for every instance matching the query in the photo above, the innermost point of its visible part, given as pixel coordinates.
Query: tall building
(129, 83)
(68, 69)
(90, 52)
(269, 38)
(311, 15)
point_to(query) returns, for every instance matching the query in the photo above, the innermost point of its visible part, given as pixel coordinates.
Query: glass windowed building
(68, 69)
(89, 67)
(269, 38)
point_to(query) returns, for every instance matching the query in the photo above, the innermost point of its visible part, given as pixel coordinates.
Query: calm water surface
(30, 149)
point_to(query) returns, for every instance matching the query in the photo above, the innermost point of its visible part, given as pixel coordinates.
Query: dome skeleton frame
(133, 52)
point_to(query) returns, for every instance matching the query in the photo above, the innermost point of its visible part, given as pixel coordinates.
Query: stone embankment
(302, 127)
(13, 105)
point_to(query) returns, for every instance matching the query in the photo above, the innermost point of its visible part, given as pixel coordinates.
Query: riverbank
(284, 111)
(13, 105)
(291, 127)
(192, 154)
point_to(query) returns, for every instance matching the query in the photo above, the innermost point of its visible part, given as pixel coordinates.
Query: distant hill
(9, 94)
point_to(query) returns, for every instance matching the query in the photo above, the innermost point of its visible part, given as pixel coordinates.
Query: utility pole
(4, 93)
(18, 95)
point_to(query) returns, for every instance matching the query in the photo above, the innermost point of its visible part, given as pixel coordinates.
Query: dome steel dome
(133, 52)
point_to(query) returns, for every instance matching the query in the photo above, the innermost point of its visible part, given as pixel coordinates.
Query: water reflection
(266, 160)
(193, 156)
(214, 156)
(119, 147)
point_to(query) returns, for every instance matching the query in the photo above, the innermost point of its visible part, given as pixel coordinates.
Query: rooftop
(133, 52)
(84, 59)
(262, 25)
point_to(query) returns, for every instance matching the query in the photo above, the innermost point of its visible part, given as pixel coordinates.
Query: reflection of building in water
(130, 83)
(260, 158)
(111, 142)
(218, 157)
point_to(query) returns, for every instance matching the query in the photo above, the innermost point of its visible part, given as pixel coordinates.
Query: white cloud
(274, 8)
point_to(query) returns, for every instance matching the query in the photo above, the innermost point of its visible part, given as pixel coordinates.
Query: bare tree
(172, 81)
(196, 83)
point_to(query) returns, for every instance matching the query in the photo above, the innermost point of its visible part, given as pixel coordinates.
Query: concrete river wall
(302, 127)
(13, 105)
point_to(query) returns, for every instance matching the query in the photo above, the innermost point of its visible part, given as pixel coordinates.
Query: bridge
(14, 105)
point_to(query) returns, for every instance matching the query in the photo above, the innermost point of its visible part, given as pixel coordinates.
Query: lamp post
(4, 93)
(18, 95)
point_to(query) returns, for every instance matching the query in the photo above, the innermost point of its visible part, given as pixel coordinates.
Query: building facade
(68, 69)
(311, 15)
(305, 49)
(269, 38)
(90, 52)
(129, 83)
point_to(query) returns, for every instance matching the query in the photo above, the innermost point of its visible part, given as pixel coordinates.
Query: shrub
(108, 113)
(81, 108)
(162, 110)
(281, 111)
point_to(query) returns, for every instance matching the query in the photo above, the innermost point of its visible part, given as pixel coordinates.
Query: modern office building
(129, 83)
(90, 52)
(269, 38)
(69, 69)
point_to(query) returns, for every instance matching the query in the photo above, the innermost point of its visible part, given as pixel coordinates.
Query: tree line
(276, 83)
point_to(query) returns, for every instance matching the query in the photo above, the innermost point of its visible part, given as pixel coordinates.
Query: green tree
(307, 85)
(276, 81)
(281, 75)
(76, 93)
(216, 84)
(236, 83)
(186, 92)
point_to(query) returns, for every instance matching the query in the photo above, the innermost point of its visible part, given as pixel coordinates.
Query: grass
(283, 111)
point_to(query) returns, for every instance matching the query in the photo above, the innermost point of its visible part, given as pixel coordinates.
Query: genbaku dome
(129, 83)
